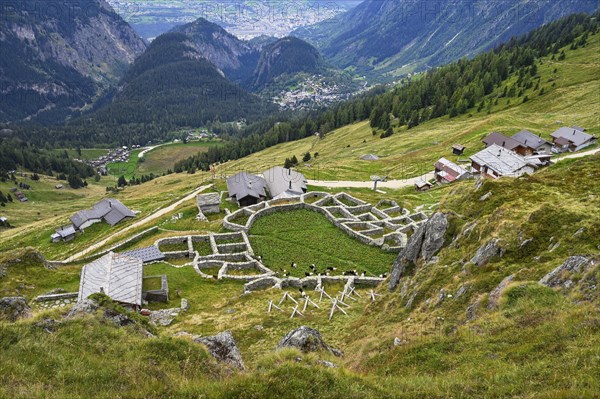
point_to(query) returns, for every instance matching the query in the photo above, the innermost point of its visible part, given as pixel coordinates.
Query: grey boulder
(307, 340)
(561, 277)
(14, 308)
(223, 348)
(424, 244)
(487, 252)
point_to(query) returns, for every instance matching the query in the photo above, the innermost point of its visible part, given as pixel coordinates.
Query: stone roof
(66, 231)
(146, 255)
(117, 275)
(499, 159)
(501, 140)
(574, 136)
(245, 184)
(449, 170)
(284, 183)
(110, 209)
(208, 199)
(529, 139)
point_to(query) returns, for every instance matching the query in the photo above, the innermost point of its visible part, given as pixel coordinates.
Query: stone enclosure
(230, 255)
(385, 225)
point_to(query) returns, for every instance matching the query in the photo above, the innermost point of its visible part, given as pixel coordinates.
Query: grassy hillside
(537, 342)
(570, 97)
(306, 238)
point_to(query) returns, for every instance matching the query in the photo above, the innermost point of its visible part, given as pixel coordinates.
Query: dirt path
(392, 184)
(149, 218)
(146, 150)
(578, 155)
(395, 184)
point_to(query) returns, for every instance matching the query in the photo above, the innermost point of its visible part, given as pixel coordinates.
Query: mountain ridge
(58, 63)
(389, 39)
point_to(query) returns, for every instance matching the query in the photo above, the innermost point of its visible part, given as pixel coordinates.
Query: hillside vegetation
(527, 69)
(532, 341)
(389, 39)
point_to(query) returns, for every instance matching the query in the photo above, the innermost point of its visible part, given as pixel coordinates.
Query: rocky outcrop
(487, 252)
(561, 277)
(120, 319)
(424, 244)
(307, 340)
(496, 294)
(85, 306)
(14, 308)
(222, 346)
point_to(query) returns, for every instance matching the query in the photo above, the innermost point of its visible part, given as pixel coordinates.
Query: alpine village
(300, 199)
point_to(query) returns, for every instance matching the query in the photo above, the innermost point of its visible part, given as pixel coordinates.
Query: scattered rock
(185, 306)
(553, 247)
(230, 311)
(398, 341)
(479, 183)
(307, 340)
(441, 297)
(472, 309)
(259, 327)
(494, 298)
(327, 364)
(85, 306)
(164, 317)
(411, 300)
(14, 308)
(222, 346)
(525, 242)
(485, 253)
(48, 325)
(461, 291)
(120, 319)
(424, 243)
(561, 276)
(485, 197)
(579, 232)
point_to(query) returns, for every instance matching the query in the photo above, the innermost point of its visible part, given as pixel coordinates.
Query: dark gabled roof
(501, 140)
(112, 210)
(529, 139)
(574, 136)
(245, 184)
(66, 231)
(146, 255)
(283, 182)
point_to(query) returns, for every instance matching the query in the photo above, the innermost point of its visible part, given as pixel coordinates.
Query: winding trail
(392, 184)
(159, 213)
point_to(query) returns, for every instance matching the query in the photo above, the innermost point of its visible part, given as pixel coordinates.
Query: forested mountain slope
(386, 38)
(57, 58)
